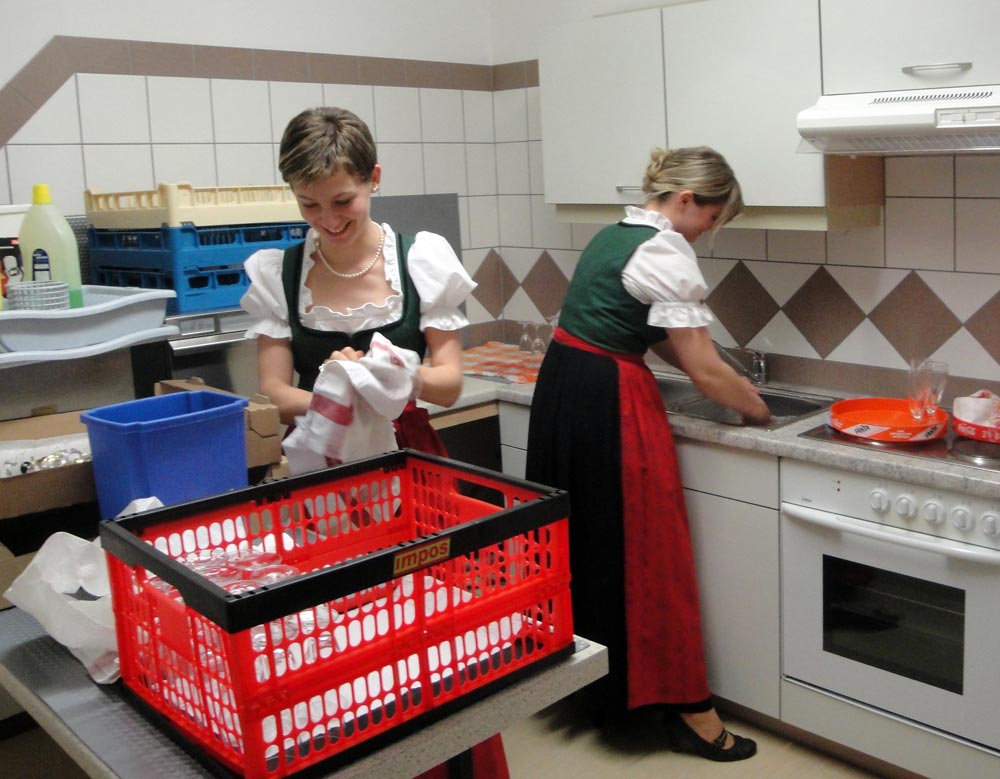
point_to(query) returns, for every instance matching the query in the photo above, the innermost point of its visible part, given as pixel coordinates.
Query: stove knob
(906, 507)
(934, 512)
(991, 523)
(962, 518)
(879, 501)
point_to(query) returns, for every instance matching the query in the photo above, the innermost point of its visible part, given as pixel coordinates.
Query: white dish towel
(353, 406)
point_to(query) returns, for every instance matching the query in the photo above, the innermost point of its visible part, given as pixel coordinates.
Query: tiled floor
(560, 743)
(555, 744)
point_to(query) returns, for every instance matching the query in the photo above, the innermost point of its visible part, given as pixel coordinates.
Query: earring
(375, 188)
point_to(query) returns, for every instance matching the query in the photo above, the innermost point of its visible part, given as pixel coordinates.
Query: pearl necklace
(356, 274)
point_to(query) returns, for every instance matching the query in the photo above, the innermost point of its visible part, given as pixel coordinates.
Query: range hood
(923, 121)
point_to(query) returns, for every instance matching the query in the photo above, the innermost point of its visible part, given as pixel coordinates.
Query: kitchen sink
(787, 406)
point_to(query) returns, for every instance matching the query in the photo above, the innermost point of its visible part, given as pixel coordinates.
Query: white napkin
(981, 408)
(352, 406)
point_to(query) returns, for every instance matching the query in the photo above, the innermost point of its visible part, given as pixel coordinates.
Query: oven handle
(892, 535)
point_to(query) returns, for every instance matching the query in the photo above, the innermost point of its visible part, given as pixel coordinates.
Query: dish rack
(110, 318)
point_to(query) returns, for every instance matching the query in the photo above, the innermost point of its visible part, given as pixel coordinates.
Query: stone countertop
(783, 442)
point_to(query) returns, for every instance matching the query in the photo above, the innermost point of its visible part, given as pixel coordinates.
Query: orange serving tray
(886, 419)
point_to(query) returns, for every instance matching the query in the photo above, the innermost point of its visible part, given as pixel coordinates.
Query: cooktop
(951, 447)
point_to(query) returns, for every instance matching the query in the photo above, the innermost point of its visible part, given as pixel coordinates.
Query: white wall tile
(520, 260)
(478, 109)
(484, 222)
(920, 176)
(566, 260)
(796, 246)
(583, 233)
(977, 235)
(520, 308)
(61, 167)
(510, 115)
(397, 115)
(193, 163)
(241, 111)
(113, 109)
(515, 220)
(977, 175)
(546, 232)
(58, 121)
(356, 98)
(482, 167)
(444, 168)
(513, 177)
(402, 168)
(857, 246)
(288, 99)
(441, 116)
(919, 233)
(535, 168)
(246, 164)
(180, 110)
(119, 168)
(533, 96)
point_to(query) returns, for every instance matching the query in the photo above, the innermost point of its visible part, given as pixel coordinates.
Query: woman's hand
(691, 349)
(348, 354)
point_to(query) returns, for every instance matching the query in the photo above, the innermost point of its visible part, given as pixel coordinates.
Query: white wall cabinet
(723, 73)
(732, 502)
(602, 106)
(872, 45)
(514, 438)
(736, 75)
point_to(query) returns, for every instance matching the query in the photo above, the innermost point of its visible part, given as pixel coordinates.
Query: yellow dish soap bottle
(48, 246)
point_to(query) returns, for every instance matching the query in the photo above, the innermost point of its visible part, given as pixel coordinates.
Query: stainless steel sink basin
(681, 397)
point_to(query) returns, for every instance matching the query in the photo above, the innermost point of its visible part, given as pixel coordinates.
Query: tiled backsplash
(926, 283)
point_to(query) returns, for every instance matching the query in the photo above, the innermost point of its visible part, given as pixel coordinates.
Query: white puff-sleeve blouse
(664, 274)
(437, 274)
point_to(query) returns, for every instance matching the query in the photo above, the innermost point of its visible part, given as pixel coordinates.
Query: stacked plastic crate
(192, 240)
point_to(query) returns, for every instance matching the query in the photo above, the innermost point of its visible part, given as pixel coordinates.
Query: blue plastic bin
(203, 265)
(176, 447)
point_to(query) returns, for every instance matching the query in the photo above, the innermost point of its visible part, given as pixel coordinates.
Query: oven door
(894, 619)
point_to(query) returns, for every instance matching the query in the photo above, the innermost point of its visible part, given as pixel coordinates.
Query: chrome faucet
(758, 367)
(757, 372)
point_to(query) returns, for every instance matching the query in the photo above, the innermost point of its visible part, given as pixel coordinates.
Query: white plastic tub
(107, 314)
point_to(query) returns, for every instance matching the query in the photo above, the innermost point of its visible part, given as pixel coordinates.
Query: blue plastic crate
(203, 265)
(176, 447)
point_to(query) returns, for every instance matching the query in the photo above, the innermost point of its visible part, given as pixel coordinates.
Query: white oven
(891, 598)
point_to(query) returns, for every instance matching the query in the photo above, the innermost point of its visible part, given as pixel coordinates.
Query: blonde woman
(599, 430)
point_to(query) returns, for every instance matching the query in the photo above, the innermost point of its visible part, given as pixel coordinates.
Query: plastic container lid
(886, 419)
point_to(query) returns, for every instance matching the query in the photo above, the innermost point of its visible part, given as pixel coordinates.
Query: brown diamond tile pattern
(823, 312)
(741, 304)
(984, 326)
(546, 285)
(496, 284)
(913, 319)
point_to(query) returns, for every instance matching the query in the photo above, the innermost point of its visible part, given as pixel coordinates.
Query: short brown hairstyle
(322, 141)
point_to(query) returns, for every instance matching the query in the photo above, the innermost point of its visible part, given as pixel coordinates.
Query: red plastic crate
(426, 583)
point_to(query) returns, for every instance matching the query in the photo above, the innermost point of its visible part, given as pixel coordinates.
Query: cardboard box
(10, 569)
(263, 426)
(51, 489)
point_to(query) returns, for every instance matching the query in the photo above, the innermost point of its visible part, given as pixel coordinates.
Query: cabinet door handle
(626, 188)
(915, 70)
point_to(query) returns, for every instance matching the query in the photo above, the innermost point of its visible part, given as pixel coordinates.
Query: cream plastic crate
(173, 205)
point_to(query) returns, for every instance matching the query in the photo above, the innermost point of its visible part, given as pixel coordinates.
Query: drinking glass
(526, 342)
(925, 386)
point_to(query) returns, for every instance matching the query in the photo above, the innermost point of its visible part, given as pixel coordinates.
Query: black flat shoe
(683, 739)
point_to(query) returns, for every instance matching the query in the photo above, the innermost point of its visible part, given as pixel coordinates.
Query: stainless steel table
(105, 733)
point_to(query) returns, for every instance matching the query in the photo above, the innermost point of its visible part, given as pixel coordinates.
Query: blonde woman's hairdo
(325, 140)
(697, 168)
